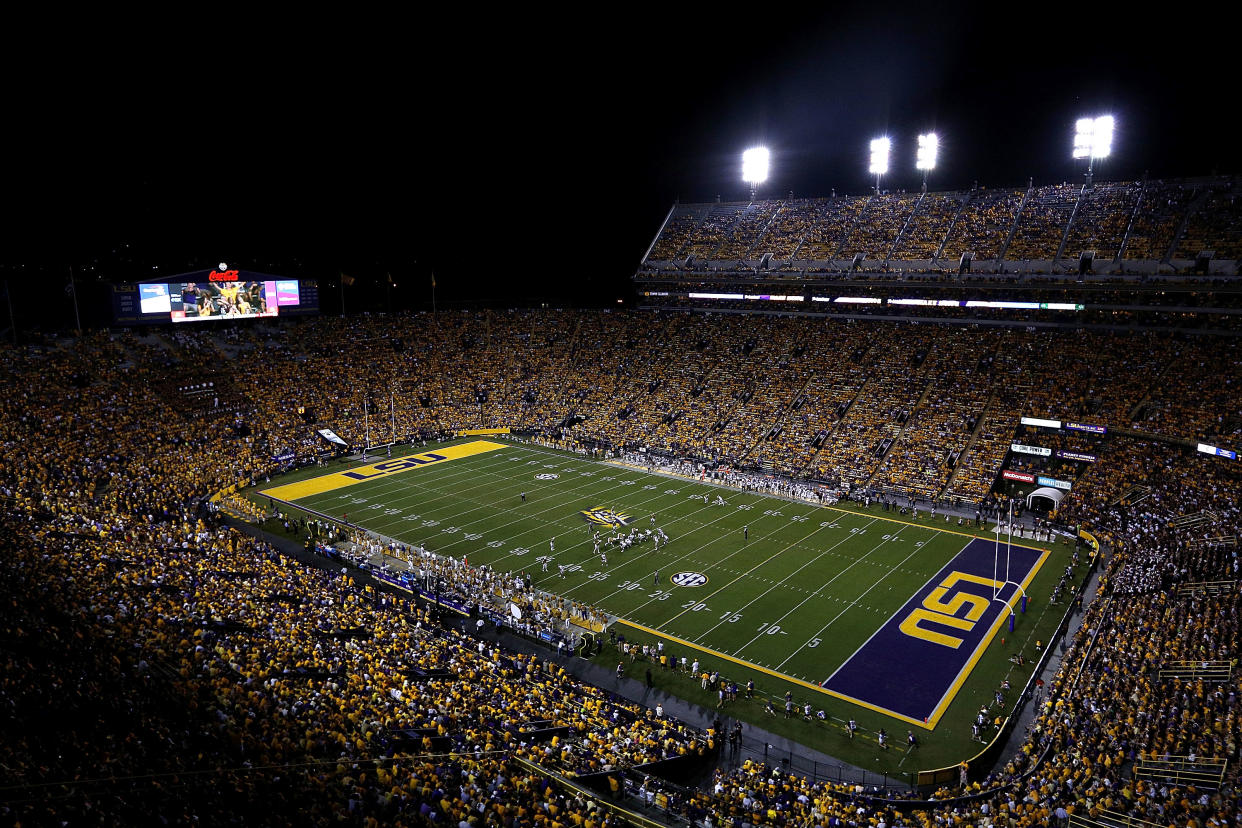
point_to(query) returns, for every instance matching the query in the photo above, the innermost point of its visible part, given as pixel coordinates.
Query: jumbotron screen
(214, 295)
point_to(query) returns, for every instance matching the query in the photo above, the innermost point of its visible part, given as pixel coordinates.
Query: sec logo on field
(546, 476)
(689, 579)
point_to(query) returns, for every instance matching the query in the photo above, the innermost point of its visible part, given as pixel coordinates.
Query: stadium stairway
(948, 233)
(1137, 411)
(1013, 228)
(779, 421)
(970, 444)
(809, 461)
(1069, 225)
(1191, 209)
(905, 226)
(918, 405)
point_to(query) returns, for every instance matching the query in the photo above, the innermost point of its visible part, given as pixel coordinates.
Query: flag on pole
(347, 280)
(390, 281)
(433, 280)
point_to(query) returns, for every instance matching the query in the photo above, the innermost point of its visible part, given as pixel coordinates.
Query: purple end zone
(913, 665)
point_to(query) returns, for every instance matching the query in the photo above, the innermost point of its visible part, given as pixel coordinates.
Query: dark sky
(534, 152)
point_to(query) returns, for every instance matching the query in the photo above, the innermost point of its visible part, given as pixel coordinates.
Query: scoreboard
(213, 295)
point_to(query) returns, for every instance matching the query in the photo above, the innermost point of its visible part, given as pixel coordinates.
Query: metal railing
(1109, 819)
(1197, 670)
(1206, 771)
(1206, 588)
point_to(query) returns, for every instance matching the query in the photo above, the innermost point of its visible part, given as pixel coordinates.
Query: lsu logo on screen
(605, 517)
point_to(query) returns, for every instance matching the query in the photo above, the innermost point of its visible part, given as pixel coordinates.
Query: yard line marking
(847, 608)
(378, 526)
(676, 561)
(527, 515)
(747, 572)
(809, 597)
(832, 507)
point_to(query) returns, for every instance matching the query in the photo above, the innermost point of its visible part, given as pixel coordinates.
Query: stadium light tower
(879, 159)
(1093, 138)
(755, 168)
(925, 160)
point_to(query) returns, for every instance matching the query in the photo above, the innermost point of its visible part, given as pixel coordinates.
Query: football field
(854, 608)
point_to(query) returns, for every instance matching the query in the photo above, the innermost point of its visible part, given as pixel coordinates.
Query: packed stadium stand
(1149, 226)
(162, 645)
(163, 666)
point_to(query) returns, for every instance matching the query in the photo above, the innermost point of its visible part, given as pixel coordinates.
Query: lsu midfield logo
(605, 517)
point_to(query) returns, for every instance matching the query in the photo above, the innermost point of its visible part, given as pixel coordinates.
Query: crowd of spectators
(712, 232)
(679, 229)
(826, 224)
(928, 226)
(1161, 210)
(983, 225)
(935, 436)
(1104, 212)
(917, 408)
(158, 662)
(880, 225)
(1139, 220)
(125, 597)
(750, 224)
(1215, 226)
(1041, 222)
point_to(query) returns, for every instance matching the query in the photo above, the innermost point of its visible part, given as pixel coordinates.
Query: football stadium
(881, 507)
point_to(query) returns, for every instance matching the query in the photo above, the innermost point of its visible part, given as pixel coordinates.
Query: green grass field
(784, 592)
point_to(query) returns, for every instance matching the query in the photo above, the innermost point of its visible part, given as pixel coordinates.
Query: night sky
(524, 153)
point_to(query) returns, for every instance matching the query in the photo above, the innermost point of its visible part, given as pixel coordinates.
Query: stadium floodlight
(755, 167)
(1093, 138)
(879, 159)
(925, 158)
(928, 146)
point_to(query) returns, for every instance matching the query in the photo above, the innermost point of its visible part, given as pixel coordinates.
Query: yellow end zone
(387, 468)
